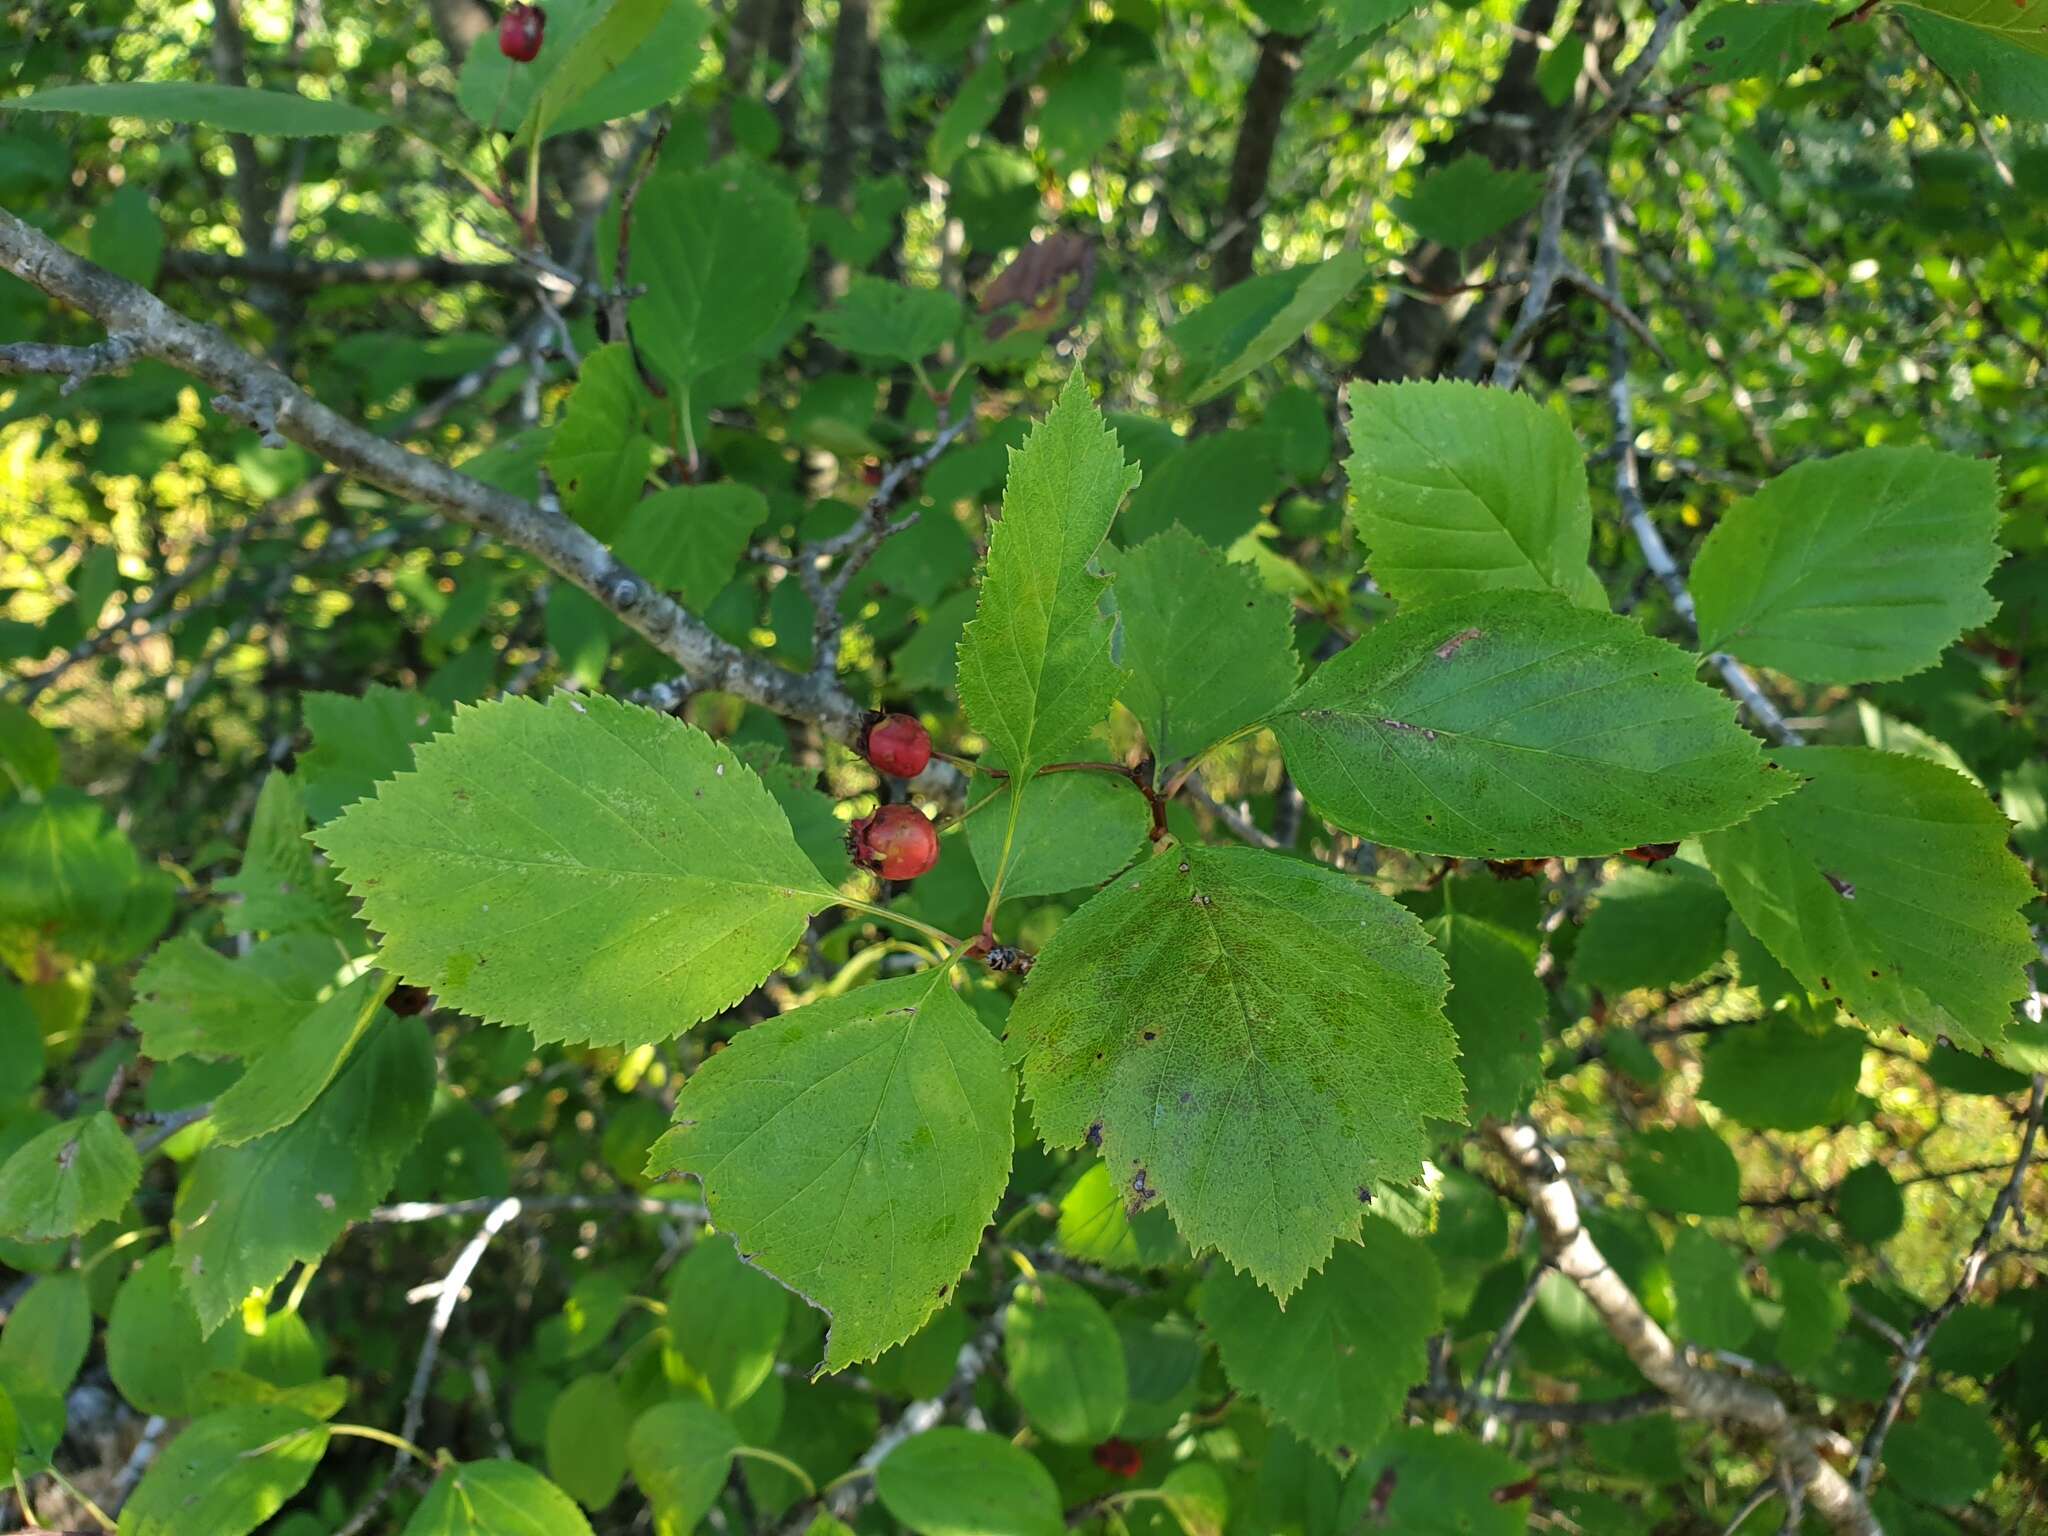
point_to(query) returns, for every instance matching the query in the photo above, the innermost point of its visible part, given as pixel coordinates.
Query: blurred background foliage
(1832, 249)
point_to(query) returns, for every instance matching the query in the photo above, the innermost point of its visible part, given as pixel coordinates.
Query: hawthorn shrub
(994, 768)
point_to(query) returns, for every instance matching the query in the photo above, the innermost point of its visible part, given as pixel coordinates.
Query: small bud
(898, 842)
(897, 745)
(519, 32)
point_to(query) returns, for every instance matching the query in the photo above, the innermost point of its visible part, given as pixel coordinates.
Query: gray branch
(1550, 265)
(1702, 1393)
(267, 398)
(300, 274)
(72, 364)
(1628, 489)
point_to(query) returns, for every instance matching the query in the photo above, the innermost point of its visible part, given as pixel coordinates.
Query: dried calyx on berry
(897, 842)
(519, 32)
(896, 744)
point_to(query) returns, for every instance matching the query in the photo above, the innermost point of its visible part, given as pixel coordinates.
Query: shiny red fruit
(519, 32)
(1119, 1458)
(898, 842)
(898, 746)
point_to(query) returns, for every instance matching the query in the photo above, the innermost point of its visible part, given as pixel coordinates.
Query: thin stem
(382, 1437)
(100, 1516)
(775, 1459)
(689, 434)
(856, 904)
(123, 1241)
(1188, 768)
(995, 886)
(301, 1285)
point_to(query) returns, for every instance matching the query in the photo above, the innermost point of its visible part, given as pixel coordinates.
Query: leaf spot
(1452, 646)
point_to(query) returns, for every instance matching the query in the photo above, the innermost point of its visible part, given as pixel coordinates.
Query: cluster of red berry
(897, 842)
(519, 32)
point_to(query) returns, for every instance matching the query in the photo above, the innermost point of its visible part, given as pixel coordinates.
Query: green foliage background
(995, 265)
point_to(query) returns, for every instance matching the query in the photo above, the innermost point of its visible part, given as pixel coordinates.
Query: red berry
(1119, 1458)
(898, 842)
(897, 745)
(519, 32)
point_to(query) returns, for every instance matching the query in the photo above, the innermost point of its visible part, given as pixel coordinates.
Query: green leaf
(599, 456)
(2024, 27)
(726, 1319)
(1083, 102)
(1197, 1496)
(1064, 1362)
(1215, 487)
(597, 53)
(1886, 883)
(1335, 1366)
(1856, 569)
(156, 1353)
(585, 869)
(586, 1440)
(1685, 1169)
(70, 882)
(1095, 1228)
(1036, 675)
(971, 109)
(890, 322)
(1979, 1341)
(1469, 200)
(963, 1482)
(227, 1474)
(1497, 1007)
(128, 240)
(1706, 1284)
(1780, 1074)
(281, 889)
(1869, 1205)
(1458, 490)
(1815, 1299)
(70, 1178)
(246, 1214)
(28, 749)
(1947, 1453)
(286, 1079)
(1741, 41)
(10, 1436)
(689, 539)
(2003, 79)
(234, 108)
(1207, 647)
(495, 92)
(855, 1148)
(357, 741)
(1152, 1028)
(22, 1053)
(1652, 928)
(680, 1453)
(1417, 1482)
(1250, 323)
(1073, 830)
(193, 1000)
(42, 1347)
(721, 251)
(1513, 725)
(495, 1498)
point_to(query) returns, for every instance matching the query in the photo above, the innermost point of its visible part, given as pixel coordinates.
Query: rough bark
(255, 392)
(1704, 1394)
(1514, 128)
(1251, 162)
